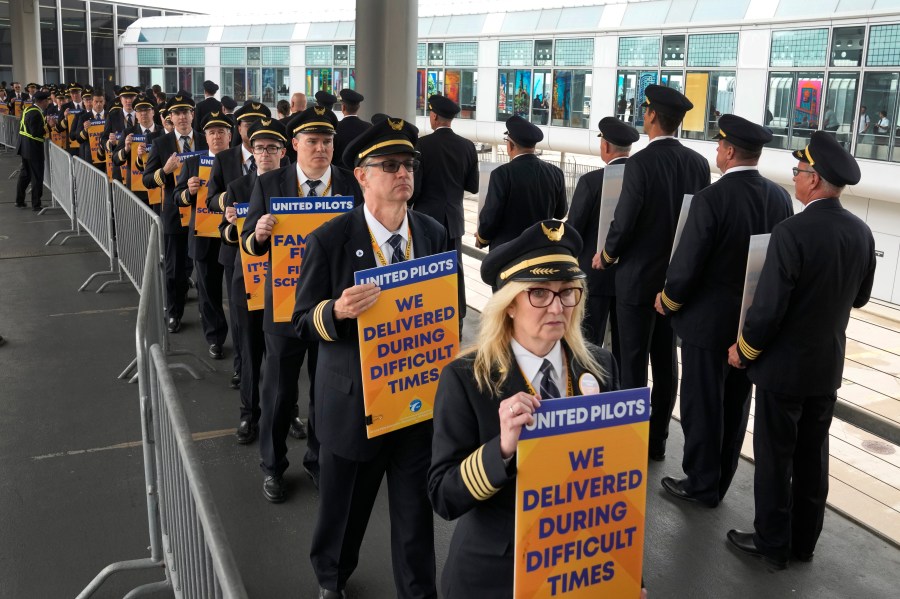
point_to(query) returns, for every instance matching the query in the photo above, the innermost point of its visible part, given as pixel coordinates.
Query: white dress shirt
(381, 235)
(530, 365)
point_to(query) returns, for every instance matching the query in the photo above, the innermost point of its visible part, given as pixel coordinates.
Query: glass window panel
(125, 16)
(514, 94)
(345, 30)
(639, 51)
(461, 54)
(847, 46)
(840, 107)
(713, 50)
(630, 86)
(191, 56)
(317, 79)
(256, 33)
(879, 97)
(717, 11)
(102, 36)
(173, 34)
(673, 51)
(525, 21)
(712, 95)
(542, 90)
(425, 26)
(49, 39)
(171, 56)
(149, 12)
(352, 55)
(235, 33)
(317, 56)
(673, 79)
(579, 17)
(884, 46)
(194, 34)
(466, 24)
(5, 36)
(801, 48)
(151, 35)
(322, 31)
(253, 84)
(642, 14)
(439, 25)
(276, 55)
(74, 34)
(341, 55)
(549, 19)
(570, 105)
(253, 55)
(435, 54)
(279, 32)
(232, 57)
(515, 54)
(421, 54)
(460, 86)
(435, 82)
(186, 79)
(793, 108)
(543, 52)
(240, 85)
(792, 8)
(171, 77)
(340, 81)
(574, 53)
(421, 90)
(681, 11)
(150, 56)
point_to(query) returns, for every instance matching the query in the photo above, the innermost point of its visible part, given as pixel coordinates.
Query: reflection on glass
(541, 92)
(793, 107)
(630, 87)
(514, 94)
(712, 95)
(878, 122)
(840, 104)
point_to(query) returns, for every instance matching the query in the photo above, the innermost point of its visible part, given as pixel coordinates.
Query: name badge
(588, 384)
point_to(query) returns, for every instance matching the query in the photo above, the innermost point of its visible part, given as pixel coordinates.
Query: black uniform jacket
(820, 263)
(154, 176)
(199, 248)
(468, 479)
(36, 125)
(349, 128)
(228, 167)
(584, 215)
(643, 228)
(334, 252)
(120, 156)
(449, 169)
(115, 123)
(77, 133)
(705, 280)
(203, 108)
(520, 193)
(282, 183)
(237, 192)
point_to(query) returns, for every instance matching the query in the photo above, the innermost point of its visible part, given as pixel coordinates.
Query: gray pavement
(71, 473)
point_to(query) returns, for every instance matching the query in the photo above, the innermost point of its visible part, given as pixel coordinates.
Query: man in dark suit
(298, 105)
(522, 192)
(230, 165)
(207, 104)
(145, 125)
(160, 172)
(819, 265)
(267, 138)
(640, 239)
(17, 93)
(32, 136)
(584, 216)
(449, 169)
(328, 304)
(351, 126)
(312, 175)
(204, 251)
(703, 294)
(119, 121)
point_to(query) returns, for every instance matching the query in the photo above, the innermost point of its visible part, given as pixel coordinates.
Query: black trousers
(32, 171)
(600, 310)
(247, 326)
(176, 258)
(644, 332)
(461, 280)
(347, 491)
(280, 390)
(209, 294)
(715, 406)
(790, 486)
(233, 316)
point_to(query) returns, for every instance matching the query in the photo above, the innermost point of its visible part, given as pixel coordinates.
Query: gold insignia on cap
(255, 106)
(395, 125)
(553, 234)
(544, 271)
(265, 123)
(178, 98)
(722, 134)
(320, 110)
(213, 114)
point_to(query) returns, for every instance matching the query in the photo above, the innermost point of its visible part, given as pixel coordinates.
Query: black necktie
(548, 387)
(146, 132)
(312, 187)
(186, 143)
(129, 121)
(251, 168)
(396, 243)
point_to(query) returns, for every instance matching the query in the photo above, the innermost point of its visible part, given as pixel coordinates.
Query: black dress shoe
(37, 208)
(274, 489)
(235, 380)
(246, 432)
(801, 557)
(657, 450)
(744, 542)
(215, 351)
(312, 471)
(326, 594)
(298, 429)
(174, 325)
(675, 488)
(21, 206)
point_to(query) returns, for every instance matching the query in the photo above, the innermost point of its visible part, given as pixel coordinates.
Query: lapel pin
(359, 253)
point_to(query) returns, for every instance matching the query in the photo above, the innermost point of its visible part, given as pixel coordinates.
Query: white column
(25, 27)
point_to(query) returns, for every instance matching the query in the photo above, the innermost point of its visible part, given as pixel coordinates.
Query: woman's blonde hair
(493, 357)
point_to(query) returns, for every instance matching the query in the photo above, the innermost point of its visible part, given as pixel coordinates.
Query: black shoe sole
(273, 499)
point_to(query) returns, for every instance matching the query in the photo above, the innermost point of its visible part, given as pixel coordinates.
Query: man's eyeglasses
(541, 297)
(271, 150)
(392, 166)
(797, 171)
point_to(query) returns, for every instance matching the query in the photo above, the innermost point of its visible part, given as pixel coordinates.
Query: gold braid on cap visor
(391, 142)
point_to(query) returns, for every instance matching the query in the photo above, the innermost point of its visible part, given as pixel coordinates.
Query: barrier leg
(135, 564)
(127, 372)
(98, 274)
(147, 589)
(119, 281)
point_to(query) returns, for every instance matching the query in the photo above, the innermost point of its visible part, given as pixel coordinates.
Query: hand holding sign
(356, 300)
(231, 214)
(264, 227)
(194, 184)
(515, 412)
(171, 164)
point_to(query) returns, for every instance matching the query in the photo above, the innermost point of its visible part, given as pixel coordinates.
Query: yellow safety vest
(22, 130)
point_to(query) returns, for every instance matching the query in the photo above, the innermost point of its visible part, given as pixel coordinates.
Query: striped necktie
(186, 143)
(548, 387)
(396, 243)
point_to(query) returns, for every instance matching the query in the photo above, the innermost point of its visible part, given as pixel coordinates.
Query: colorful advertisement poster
(296, 219)
(255, 267)
(807, 109)
(522, 102)
(501, 94)
(581, 492)
(562, 96)
(433, 85)
(206, 223)
(696, 89)
(185, 211)
(70, 123)
(451, 85)
(406, 338)
(95, 132)
(646, 80)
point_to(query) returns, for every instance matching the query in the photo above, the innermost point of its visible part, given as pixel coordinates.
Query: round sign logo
(415, 405)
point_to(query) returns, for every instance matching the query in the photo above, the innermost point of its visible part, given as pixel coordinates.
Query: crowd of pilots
(563, 308)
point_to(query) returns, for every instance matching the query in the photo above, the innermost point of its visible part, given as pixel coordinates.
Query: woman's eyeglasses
(541, 297)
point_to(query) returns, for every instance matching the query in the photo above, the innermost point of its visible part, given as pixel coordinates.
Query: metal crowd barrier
(62, 190)
(95, 215)
(9, 131)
